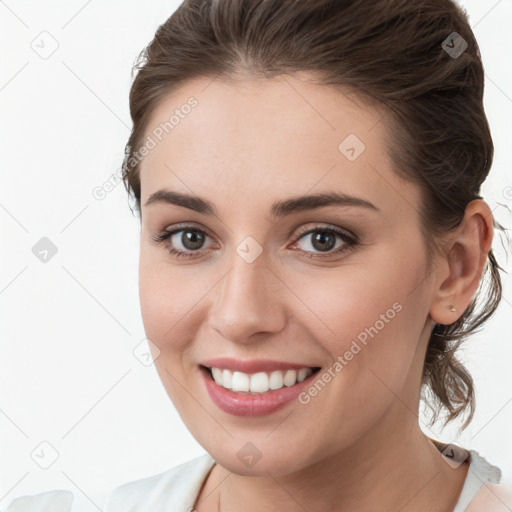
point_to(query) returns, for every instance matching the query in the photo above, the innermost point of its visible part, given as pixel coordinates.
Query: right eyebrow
(196, 203)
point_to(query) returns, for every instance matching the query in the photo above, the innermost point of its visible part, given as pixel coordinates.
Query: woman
(262, 131)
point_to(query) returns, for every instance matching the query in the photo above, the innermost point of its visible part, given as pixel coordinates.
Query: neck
(403, 472)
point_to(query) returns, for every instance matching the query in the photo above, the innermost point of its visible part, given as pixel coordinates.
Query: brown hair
(399, 54)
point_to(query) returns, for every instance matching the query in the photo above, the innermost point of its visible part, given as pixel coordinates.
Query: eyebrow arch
(278, 209)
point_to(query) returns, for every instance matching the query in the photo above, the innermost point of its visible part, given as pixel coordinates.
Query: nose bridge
(245, 301)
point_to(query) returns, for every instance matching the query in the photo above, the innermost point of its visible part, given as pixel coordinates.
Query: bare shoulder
(492, 498)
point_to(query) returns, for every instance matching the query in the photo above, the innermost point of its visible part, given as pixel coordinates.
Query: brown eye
(182, 241)
(192, 240)
(322, 239)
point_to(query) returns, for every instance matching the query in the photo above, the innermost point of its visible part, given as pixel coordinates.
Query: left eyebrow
(312, 202)
(278, 209)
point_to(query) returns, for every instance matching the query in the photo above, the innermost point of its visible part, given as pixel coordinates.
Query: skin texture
(357, 445)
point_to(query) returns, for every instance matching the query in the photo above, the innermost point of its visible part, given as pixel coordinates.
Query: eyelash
(349, 241)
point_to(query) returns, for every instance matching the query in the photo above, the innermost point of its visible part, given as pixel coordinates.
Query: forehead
(267, 139)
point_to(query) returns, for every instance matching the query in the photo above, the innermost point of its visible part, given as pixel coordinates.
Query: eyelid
(349, 239)
(301, 231)
(176, 228)
(326, 227)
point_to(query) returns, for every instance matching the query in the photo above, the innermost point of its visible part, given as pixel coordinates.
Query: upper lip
(253, 365)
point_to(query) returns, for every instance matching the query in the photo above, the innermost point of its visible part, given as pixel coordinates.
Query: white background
(68, 375)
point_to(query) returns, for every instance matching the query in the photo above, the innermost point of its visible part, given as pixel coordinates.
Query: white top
(177, 489)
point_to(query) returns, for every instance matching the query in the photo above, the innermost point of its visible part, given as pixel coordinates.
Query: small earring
(452, 308)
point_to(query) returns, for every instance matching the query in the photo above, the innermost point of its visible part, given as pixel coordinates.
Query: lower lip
(252, 404)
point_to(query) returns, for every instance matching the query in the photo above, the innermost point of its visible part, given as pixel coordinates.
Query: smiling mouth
(260, 382)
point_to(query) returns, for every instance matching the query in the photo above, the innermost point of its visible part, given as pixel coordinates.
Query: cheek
(163, 307)
(156, 308)
(368, 332)
(368, 318)
(372, 351)
(167, 295)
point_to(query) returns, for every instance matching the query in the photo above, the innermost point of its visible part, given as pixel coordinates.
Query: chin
(273, 460)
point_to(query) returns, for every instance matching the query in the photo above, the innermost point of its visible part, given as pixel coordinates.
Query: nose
(248, 301)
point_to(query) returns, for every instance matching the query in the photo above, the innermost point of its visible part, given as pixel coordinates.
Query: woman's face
(254, 286)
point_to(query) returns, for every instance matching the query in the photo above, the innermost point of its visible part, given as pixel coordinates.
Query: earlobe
(465, 258)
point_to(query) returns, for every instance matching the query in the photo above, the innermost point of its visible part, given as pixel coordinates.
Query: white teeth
(303, 373)
(290, 378)
(240, 381)
(260, 382)
(276, 380)
(227, 377)
(217, 374)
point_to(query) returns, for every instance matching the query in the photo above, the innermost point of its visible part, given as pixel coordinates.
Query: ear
(460, 267)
